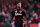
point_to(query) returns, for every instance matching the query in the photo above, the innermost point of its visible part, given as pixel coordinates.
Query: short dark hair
(18, 2)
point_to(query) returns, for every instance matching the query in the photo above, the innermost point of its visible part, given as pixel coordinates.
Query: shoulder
(23, 9)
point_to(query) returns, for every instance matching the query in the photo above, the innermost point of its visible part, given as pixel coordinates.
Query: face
(19, 5)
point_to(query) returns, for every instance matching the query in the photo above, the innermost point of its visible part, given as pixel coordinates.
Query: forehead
(19, 3)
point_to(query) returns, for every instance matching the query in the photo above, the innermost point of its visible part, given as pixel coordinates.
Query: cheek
(17, 5)
(20, 5)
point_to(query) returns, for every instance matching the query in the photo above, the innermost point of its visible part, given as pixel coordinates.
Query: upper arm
(24, 14)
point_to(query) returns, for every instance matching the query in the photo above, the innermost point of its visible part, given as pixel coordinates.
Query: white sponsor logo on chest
(16, 13)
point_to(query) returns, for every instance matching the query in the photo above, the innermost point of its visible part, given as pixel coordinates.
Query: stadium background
(32, 9)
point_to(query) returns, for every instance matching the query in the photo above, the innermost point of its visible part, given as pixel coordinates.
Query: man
(19, 15)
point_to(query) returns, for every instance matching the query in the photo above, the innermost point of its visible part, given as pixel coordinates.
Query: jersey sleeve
(24, 14)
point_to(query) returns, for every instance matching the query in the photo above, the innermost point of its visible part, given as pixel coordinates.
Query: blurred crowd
(32, 9)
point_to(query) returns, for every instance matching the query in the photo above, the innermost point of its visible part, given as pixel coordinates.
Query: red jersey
(18, 13)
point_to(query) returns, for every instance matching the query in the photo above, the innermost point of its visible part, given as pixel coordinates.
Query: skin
(19, 6)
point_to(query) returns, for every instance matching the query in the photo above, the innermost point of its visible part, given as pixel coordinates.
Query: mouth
(19, 6)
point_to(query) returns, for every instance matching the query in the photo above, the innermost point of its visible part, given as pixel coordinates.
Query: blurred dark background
(32, 9)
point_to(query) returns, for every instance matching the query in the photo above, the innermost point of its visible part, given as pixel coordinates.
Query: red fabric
(2, 23)
(12, 6)
(23, 24)
(38, 20)
(5, 7)
(33, 25)
(38, 5)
